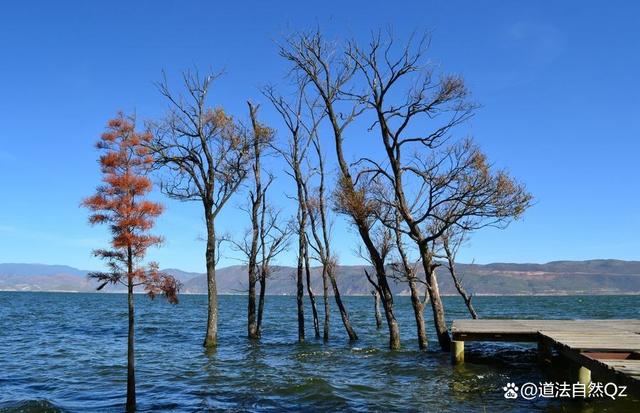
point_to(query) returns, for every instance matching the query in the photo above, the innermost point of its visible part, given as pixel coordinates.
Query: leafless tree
(260, 139)
(275, 234)
(320, 243)
(408, 272)
(451, 241)
(294, 154)
(204, 154)
(436, 183)
(328, 73)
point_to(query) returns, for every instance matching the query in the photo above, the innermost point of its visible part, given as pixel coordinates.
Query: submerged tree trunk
(256, 202)
(436, 301)
(343, 310)
(300, 286)
(386, 297)
(394, 329)
(325, 300)
(263, 287)
(252, 323)
(131, 375)
(418, 312)
(211, 337)
(376, 309)
(312, 296)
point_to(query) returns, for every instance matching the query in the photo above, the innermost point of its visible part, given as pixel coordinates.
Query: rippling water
(67, 352)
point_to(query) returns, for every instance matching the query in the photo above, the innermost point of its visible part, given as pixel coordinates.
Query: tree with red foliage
(120, 203)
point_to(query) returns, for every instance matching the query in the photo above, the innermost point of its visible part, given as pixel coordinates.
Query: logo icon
(510, 391)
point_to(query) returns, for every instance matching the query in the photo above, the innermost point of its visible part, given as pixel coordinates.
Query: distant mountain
(553, 278)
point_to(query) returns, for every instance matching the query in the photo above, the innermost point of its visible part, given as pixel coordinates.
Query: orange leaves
(157, 282)
(121, 203)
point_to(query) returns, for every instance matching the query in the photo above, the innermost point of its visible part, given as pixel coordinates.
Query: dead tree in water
(316, 62)
(376, 308)
(261, 138)
(409, 273)
(433, 179)
(294, 154)
(205, 154)
(274, 239)
(319, 242)
(267, 236)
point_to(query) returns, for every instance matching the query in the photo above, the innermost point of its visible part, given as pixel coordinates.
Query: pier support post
(457, 352)
(584, 376)
(544, 352)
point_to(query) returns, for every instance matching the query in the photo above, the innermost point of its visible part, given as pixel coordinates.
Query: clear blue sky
(558, 83)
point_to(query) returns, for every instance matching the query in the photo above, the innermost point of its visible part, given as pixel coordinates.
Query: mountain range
(595, 277)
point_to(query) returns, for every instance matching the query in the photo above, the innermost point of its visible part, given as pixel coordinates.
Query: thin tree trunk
(376, 309)
(300, 285)
(341, 307)
(256, 202)
(463, 293)
(325, 299)
(312, 296)
(436, 301)
(131, 375)
(418, 311)
(263, 287)
(451, 261)
(410, 274)
(252, 323)
(211, 338)
(386, 297)
(324, 250)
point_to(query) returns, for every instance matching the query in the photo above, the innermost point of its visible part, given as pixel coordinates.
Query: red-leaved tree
(120, 203)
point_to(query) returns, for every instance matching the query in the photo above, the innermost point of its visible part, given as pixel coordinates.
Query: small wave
(30, 406)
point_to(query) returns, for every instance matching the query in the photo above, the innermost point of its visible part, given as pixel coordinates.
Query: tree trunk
(456, 281)
(252, 323)
(394, 329)
(436, 301)
(300, 287)
(341, 307)
(263, 286)
(376, 309)
(211, 338)
(387, 304)
(363, 229)
(325, 299)
(312, 296)
(418, 311)
(256, 201)
(463, 293)
(131, 375)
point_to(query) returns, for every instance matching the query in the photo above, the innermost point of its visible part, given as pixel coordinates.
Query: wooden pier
(608, 349)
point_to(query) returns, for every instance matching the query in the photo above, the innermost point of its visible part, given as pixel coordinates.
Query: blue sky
(557, 82)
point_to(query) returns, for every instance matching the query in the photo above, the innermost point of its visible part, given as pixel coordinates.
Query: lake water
(67, 352)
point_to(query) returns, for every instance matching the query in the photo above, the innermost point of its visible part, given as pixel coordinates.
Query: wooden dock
(610, 349)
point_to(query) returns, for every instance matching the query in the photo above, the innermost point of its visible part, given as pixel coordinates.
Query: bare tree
(204, 154)
(409, 273)
(434, 181)
(295, 154)
(260, 138)
(319, 242)
(316, 62)
(274, 239)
